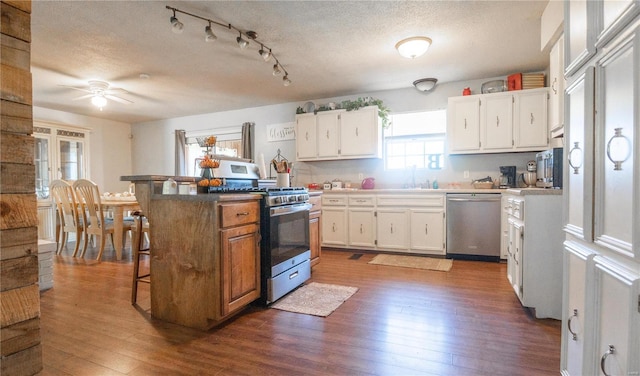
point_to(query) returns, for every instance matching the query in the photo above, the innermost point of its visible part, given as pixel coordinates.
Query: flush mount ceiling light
(413, 47)
(425, 84)
(243, 39)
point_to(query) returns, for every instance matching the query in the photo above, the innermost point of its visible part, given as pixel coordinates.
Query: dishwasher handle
(474, 199)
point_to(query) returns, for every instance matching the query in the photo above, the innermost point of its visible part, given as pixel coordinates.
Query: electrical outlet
(360, 176)
(466, 174)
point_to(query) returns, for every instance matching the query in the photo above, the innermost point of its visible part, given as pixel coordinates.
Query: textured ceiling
(329, 48)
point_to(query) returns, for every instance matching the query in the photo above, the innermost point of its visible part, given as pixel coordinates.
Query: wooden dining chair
(68, 215)
(96, 224)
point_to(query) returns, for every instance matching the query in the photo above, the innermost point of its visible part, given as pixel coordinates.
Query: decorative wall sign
(281, 132)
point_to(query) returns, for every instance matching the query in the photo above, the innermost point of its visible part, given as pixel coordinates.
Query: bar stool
(137, 251)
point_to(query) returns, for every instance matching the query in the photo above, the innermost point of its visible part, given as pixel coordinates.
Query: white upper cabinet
(497, 116)
(463, 116)
(556, 88)
(616, 14)
(580, 28)
(498, 122)
(339, 134)
(617, 211)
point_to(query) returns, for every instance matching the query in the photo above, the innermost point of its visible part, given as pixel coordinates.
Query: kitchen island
(205, 263)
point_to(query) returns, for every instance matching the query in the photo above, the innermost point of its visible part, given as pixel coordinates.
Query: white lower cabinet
(334, 220)
(362, 221)
(393, 229)
(427, 231)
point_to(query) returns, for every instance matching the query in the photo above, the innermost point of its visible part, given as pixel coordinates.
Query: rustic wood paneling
(15, 85)
(17, 178)
(18, 210)
(15, 21)
(19, 305)
(27, 362)
(17, 148)
(18, 236)
(18, 272)
(23, 5)
(15, 52)
(16, 117)
(20, 336)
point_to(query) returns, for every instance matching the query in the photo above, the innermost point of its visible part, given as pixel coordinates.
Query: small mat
(318, 299)
(415, 262)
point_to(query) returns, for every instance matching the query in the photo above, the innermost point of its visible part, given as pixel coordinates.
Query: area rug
(415, 262)
(318, 299)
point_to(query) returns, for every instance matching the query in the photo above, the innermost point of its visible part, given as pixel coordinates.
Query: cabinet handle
(531, 122)
(242, 214)
(392, 228)
(604, 359)
(621, 150)
(356, 131)
(576, 162)
(306, 136)
(426, 229)
(327, 134)
(465, 123)
(575, 314)
(361, 228)
(553, 85)
(333, 227)
(294, 274)
(497, 121)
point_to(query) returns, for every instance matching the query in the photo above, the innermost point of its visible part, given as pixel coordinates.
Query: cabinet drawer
(362, 200)
(335, 200)
(233, 214)
(422, 200)
(316, 203)
(516, 208)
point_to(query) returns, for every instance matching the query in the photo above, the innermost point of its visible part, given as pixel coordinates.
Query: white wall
(153, 142)
(109, 146)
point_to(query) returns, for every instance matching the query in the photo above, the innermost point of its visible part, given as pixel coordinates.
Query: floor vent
(355, 256)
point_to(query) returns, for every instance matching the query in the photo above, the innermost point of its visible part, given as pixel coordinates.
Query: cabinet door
(463, 123)
(362, 227)
(306, 136)
(531, 129)
(578, 179)
(504, 227)
(615, 15)
(359, 133)
(334, 226)
(393, 229)
(427, 231)
(328, 134)
(515, 246)
(579, 33)
(617, 320)
(617, 109)
(314, 237)
(497, 121)
(240, 265)
(576, 337)
(556, 86)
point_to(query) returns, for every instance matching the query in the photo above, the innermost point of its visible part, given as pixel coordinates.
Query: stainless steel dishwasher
(473, 226)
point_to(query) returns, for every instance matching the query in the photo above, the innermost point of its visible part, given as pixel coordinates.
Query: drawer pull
(604, 359)
(242, 214)
(294, 274)
(575, 314)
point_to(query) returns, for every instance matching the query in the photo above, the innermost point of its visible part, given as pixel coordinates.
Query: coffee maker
(507, 177)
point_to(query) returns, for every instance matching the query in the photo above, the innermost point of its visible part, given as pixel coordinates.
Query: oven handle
(288, 209)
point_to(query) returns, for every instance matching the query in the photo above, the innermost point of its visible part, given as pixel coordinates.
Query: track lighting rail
(265, 51)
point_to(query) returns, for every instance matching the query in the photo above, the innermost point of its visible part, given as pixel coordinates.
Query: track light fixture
(209, 36)
(176, 26)
(242, 39)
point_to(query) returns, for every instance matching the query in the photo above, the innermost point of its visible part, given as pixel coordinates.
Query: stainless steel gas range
(284, 228)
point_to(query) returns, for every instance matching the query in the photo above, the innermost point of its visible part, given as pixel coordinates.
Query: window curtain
(181, 152)
(247, 140)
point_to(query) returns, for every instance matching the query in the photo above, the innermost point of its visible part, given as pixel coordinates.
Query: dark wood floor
(401, 322)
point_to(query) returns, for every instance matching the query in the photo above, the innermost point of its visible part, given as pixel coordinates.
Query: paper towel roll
(262, 167)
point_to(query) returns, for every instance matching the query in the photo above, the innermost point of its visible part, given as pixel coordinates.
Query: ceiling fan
(99, 92)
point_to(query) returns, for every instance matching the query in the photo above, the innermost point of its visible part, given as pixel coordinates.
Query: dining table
(118, 206)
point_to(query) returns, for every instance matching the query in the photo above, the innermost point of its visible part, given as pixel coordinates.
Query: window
(416, 139)
(228, 143)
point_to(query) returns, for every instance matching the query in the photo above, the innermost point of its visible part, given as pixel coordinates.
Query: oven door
(288, 236)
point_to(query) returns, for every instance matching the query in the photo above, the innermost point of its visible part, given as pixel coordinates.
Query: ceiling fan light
(413, 47)
(176, 26)
(209, 36)
(99, 101)
(276, 70)
(285, 80)
(425, 84)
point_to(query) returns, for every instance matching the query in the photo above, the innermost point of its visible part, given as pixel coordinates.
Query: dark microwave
(549, 168)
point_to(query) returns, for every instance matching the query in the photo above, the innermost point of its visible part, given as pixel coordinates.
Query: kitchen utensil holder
(278, 158)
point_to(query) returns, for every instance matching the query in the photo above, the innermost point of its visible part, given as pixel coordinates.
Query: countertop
(411, 191)
(534, 191)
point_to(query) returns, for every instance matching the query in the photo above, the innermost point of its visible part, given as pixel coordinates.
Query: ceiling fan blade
(116, 90)
(83, 97)
(77, 88)
(118, 99)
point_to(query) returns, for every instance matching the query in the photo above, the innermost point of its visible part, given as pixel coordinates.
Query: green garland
(383, 111)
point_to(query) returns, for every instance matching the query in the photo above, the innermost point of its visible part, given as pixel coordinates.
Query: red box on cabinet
(514, 82)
